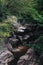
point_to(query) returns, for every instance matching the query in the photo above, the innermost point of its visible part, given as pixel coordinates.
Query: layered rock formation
(29, 58)
(5, 57)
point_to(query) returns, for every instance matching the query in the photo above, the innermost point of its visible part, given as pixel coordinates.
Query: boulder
(5, 57)
(28, 59)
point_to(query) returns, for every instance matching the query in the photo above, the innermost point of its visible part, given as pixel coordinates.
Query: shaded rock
(21, 50)
(14, 42)
(41, 59)
(28, 59)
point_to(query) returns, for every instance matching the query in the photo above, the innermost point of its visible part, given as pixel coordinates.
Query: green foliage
(5, 29)
(3, 10)
(31, 9)
(38, 46)
(26, 7)
(6, 26)
(22, 8)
